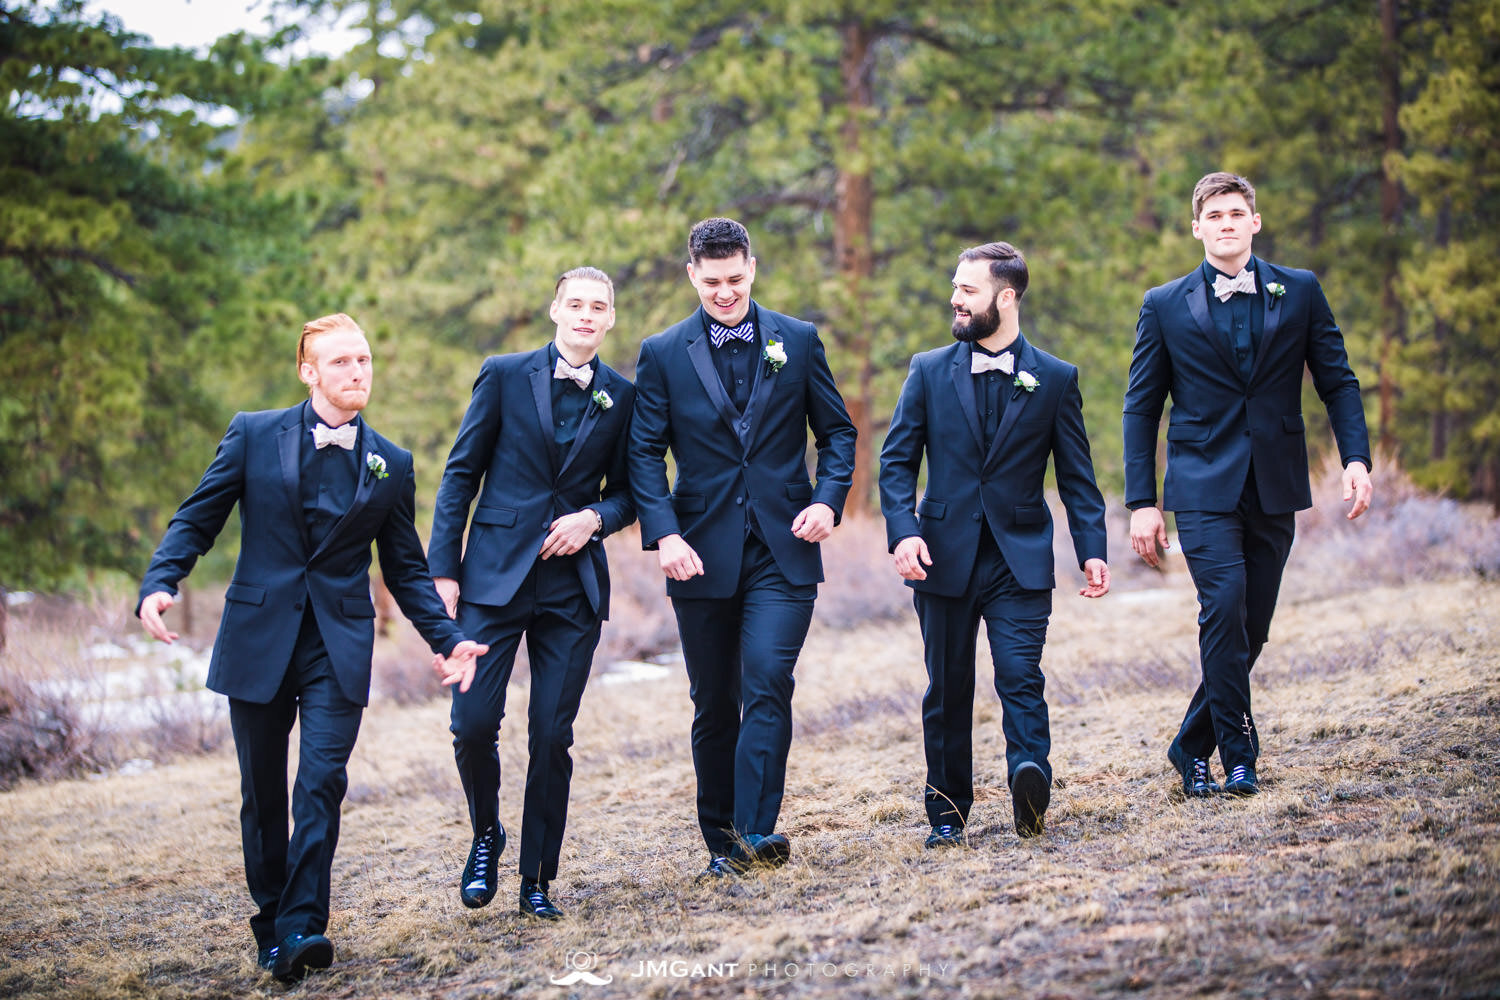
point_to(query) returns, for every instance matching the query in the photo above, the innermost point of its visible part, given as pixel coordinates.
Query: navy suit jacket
(1221, 423)
(258, 466)
(968, 484)
(728, 463)
(506, 454)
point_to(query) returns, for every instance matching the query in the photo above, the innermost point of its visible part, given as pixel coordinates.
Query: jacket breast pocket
(357, 607)
(504, 517)
(689, 503)
(243, 593)
(1187, 432)
(931, 509)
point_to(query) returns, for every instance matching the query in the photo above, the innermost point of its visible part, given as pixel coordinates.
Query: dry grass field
(1369, 866)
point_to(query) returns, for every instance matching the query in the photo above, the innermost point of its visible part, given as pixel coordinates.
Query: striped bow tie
(343, 436)
(718, 333)
(1225, 287)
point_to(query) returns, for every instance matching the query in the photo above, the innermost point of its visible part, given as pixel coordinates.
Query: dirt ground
(1368, 867)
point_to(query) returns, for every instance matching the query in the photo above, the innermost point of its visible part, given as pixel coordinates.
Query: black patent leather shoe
(768, 851)
(1197, 775)
(718, 867)
(944, 835)
(1030, 793)
(480, 879)
(266, 957)
(299, 954)
(1241, 781)
(535, 903)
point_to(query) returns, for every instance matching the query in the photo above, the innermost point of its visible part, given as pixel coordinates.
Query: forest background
(169, 218)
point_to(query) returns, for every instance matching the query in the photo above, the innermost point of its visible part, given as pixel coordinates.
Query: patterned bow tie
(343, 436)
(1004, 362)
(718, 333)
(1225, 287)
(580, 377)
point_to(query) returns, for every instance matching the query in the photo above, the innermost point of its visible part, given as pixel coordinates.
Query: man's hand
(677, 558)
(1096, 573)
(151, 609)
(815, 523)
(1148, 531)
(570, 533)
(458, 666)
(447, 589)
(911, 555)
(1357, 486)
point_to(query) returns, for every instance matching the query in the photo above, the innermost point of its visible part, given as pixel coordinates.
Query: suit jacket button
(978, 517)
(297, 606)
(739, 500)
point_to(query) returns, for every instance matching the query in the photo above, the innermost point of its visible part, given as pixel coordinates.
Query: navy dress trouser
(1236, 560)
(1016, 625)
(289, 878)
(740, 652)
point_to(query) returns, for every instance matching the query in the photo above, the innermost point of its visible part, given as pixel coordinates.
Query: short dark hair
(1217, 183)
(718, 239)
(1006, 265)
(588, 274)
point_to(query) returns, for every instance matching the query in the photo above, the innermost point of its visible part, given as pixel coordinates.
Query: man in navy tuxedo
(315, 486)
(732, 391)
(542, 448)
(1229, 342)
(987, 411)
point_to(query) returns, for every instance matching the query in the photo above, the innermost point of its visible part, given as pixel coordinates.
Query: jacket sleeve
(616, 506)
(901, 459)
(1145, 396)
(1075, 476)
(403, 567)
(201, 517)
(468, 463)
(647, 455)
(1334, 379)
(834, 433)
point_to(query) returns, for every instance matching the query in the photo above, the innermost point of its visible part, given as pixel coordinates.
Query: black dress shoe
(769, 851)
(944, 835)
(1241, 780)
(718, 867)
(1197, 776)
(299, 954)
(266, 957)
(480, 879)
(1030, 792)
(534, 901)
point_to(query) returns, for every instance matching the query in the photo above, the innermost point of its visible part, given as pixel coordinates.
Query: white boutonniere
(376, 464)
(1026, 381)
(1276, 290)
(775, 355)
(602, 399)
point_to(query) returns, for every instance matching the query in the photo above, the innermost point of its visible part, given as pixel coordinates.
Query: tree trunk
(854, 256)
(1393, 330)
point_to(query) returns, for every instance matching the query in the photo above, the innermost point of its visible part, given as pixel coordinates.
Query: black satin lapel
(289, 445)
(764, 386)
(1197, 303)
(1019, 397)
(1271, 312)
(703, 364)
(366, 485)
(541, 394)
(591, 415)
(963, 388)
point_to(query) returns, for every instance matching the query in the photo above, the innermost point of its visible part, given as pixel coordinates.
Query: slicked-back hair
(718, 239)
(1007, 265)
(588, 274)
(318, 327)
(1217, 183)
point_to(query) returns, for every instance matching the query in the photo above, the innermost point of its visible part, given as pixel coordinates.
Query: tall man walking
(315, 486)
(542, 447)
(732, 391)
(987, 411)
(1229, 342)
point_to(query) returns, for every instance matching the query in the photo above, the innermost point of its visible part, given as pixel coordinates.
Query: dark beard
(979, 326)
